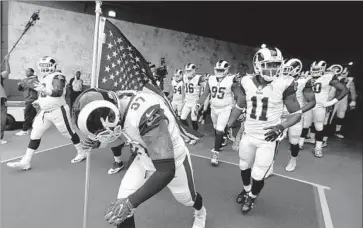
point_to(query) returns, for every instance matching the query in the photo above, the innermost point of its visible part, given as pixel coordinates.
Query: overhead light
(263, 46)
(350, 63)
(111, 13)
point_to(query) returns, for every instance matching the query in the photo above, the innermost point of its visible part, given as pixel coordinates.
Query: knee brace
(294, 150)
(34, 144)
(319, 135)
(75, 139)
(304, 133)
(257, 186)
(198, 202)
(246, 176)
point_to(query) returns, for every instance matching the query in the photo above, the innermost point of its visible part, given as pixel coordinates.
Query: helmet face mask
(291, 68)
(97, 117)
(221, 68)
(47, 65)
(317, 69)
(178, 74)
(190, 70)
(268, 63)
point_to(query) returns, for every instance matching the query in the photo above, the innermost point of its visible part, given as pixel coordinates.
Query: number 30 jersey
(322, 87)
(265, 105)
(144, 113)
(53, 81)
(221, 91)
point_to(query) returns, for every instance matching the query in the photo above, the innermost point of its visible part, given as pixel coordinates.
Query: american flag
(122, 67)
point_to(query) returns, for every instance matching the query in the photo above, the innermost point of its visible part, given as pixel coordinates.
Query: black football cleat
(241, 197)
(248, 204)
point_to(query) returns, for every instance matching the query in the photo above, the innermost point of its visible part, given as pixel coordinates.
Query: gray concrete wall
(68, 37)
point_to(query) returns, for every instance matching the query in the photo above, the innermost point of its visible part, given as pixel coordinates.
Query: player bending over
(53, 110)
(264, 96)
(160, 157)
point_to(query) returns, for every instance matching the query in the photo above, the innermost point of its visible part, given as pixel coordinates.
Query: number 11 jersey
(265, 105)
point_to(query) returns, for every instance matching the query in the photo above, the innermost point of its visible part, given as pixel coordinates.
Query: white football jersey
(177, 90)
(264, 105)
(142, 110)
(322, 87)
(221, 91)
(302, 83)
(192, 89)
(46, 102)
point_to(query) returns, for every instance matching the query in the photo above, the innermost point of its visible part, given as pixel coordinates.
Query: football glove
(197, 109)
(118, 211)
(89, 144)
(352, 105)
(274, 132)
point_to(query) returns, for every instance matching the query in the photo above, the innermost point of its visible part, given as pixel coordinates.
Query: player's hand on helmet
(197, 109)
(89, 144)
(274, 132)
(352, 105)
(118, 211)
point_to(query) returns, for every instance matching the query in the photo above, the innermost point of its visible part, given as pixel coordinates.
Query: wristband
(239, 108)
(297, 112)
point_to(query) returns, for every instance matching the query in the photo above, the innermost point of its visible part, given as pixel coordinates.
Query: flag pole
(94, 78)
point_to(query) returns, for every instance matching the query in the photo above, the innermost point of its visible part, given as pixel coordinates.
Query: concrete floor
(340, 169)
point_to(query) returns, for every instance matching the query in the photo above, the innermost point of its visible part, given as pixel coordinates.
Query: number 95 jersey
(265, 105)
(221, 91)
(54, 81)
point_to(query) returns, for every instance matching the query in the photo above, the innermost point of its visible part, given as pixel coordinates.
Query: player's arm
(58, 83)
(154, 133)
(353, 95)
(5, 74)
(309, 96)
(241, 103)
(204, 96)
(292, 105)
(31, 83)
(341, 91)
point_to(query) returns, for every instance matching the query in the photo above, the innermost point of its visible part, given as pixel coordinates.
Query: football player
(264, 96)
(220, 87)
(203, 111)
(341, 107)
(192, 85)
(306, 98)
(53, 110)
(160, 157)
(177, 92)
(322, 83)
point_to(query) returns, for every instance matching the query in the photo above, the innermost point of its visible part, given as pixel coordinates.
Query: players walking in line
(220, 87)
(53, 110)
(264, 95)
(160, 157)
(192, 85)
(322, 83)
(306, 98)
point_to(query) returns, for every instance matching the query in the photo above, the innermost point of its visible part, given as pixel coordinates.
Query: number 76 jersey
(265, 105)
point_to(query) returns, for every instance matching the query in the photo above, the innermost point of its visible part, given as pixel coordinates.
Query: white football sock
(118, 159)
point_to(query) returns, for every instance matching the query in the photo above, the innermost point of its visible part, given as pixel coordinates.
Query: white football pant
(257, 154)
(182, 186)
(189, 108)
(220, 117)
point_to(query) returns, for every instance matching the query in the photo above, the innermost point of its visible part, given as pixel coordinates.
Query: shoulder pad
(151, 119)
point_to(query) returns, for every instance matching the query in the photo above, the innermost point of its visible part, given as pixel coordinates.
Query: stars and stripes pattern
(122, 67)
